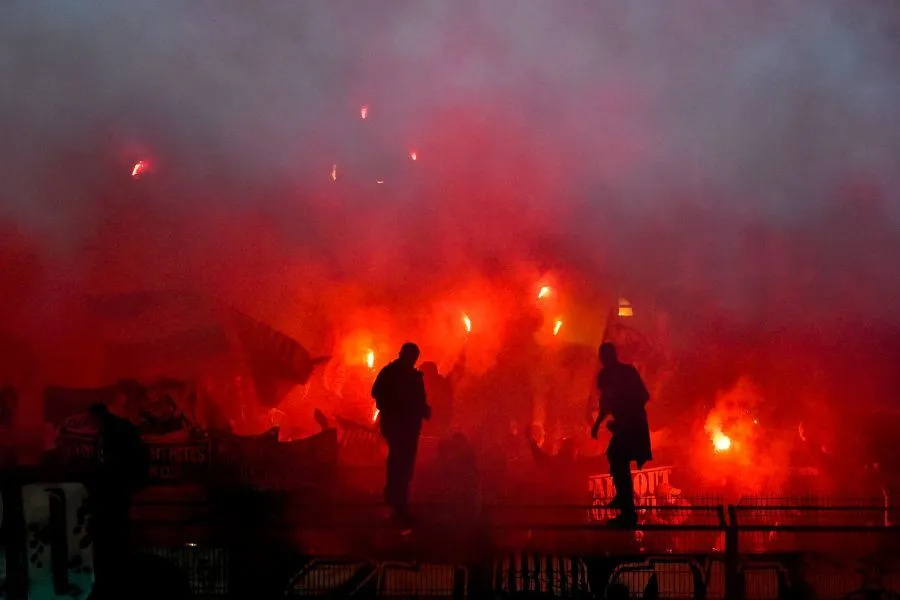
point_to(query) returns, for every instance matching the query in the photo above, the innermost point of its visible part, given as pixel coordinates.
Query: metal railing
(532, 546)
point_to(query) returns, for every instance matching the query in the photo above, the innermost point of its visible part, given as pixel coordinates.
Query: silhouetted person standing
(399, 393)
(441, 389)
(624, 397)
(122, 469)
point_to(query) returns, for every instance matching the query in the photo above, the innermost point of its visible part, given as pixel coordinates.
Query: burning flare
(413, 155)
(467, 322)
(364, 111)
(625, 308)
(375, 413)
(334, 172)
(721, 442)
(557, 326)
(138, 169)
(545, 291)
(370, 359)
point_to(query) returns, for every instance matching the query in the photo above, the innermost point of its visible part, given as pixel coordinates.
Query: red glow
(544, 292)
(557, 326)
(467, 323)
(413, 155)
(334, 172)
(370, 359)
(364, 112)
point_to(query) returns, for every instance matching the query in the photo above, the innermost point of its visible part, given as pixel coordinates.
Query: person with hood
(624, 397)
(399, 393)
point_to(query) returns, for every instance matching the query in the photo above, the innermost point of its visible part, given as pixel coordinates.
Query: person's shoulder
(388, 368)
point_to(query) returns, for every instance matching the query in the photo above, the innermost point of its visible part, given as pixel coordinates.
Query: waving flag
(277, 362)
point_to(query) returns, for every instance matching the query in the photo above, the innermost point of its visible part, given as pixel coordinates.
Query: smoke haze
(728, 164)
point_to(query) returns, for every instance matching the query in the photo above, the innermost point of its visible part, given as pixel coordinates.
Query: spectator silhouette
(122, 469)
(624, 397)
(399, 393)
(440, 390)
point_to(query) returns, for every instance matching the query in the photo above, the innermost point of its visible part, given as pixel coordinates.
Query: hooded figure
(624, 397)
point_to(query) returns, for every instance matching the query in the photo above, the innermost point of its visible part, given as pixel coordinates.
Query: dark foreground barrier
(237, 544)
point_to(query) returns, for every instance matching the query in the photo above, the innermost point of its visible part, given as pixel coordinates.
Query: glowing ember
(139, 168)
(625, 308)
(467, 322)
(334, 172)
(545, 291)
(375, 413)
(364, 111)
(557, 326)
(413, 155)
(721, 442)
(370, 359)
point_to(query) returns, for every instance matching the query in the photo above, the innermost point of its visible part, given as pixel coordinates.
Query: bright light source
(721, 442)
(557, 326)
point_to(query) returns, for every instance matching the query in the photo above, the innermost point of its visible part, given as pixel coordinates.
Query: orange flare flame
(413, 155)
(370, 359)
(721, 442)
(375, 413)
(545, 291)
(334, 172)
(139, 168)
(364, 111)
(467, 322)
(557, 326)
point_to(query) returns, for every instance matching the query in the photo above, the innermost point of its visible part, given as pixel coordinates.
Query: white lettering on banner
(646, 484)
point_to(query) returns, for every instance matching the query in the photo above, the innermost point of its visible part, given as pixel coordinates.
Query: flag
(277, 363)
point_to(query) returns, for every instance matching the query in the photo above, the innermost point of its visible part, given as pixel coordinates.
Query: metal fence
(767, 547)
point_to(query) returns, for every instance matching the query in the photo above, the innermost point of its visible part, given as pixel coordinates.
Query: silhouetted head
(608, 354)
(99, 413)
(409, 354)
(429, 369)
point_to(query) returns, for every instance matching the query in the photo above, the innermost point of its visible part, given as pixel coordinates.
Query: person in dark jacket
(399, 393)
(122, 469)
(624, 397)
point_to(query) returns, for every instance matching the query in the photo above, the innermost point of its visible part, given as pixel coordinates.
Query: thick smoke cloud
(727, 162)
